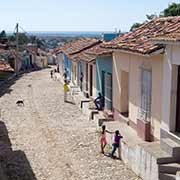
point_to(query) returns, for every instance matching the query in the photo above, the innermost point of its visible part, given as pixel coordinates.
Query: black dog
(20, 102)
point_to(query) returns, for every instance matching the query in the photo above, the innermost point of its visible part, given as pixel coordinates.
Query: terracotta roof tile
(169, 37)
(79, 45)
(98, 50)
(5, 67)
(82, 56)
(139, 41)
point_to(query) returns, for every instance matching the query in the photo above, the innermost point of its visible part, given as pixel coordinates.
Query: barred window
(146, 91)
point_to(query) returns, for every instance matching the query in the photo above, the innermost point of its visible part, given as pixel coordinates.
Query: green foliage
(12, 38)
(41, 43)
(172, 10)
(151, 16)
(3, 37)
(135, 26)
(3, 34)
(23, 39)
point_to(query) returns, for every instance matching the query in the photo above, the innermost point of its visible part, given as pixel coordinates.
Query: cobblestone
(53, 140)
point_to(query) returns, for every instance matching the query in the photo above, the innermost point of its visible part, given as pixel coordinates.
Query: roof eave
(100, 54)
(152, 53)
(166, 42)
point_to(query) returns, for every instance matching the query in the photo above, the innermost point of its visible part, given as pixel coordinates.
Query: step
(92, 114)
(165, 160)
(171, 147)
(170, 168)
(166, 176)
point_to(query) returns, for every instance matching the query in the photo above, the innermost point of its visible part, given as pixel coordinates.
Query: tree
(151, 16)
(40, 43)
(172, 10)
(3, 34)
(12, 38)
(135, 26)
(23, 39)
(3, 37)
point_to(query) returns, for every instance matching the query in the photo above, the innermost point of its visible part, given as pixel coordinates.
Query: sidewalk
(140, 156)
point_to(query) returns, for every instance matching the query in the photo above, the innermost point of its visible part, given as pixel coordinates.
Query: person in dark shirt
(81, 81)
(116, 143)
(99, 102)
(65, 74)
(51, 72)
(58, 68)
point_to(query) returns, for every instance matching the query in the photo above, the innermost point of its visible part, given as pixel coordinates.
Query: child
(116, 144)
(66, 89)
(103, 138)
(51, 72)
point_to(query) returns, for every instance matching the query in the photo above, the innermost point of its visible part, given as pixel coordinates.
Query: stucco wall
(119, 65)
(170, 70)
(132, 64)
(41, 61)
(60, 61)
(74, 73)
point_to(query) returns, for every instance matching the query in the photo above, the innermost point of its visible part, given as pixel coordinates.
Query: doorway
(91, 80)
(125, 93)
(107, 90)
(178, 103)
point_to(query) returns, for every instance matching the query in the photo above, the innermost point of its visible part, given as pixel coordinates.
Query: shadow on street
(14, 165)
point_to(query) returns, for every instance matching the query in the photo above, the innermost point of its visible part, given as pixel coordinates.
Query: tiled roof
(79, 45)
(168, 37)
(98, 50)
(5, 67)
(57, 50)
(82, 56)
(139, 41)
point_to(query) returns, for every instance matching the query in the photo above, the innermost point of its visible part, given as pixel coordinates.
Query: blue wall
(110, 36)
(68, 66)
(102, 64)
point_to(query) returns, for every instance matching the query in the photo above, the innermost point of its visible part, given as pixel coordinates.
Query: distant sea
(66, 33)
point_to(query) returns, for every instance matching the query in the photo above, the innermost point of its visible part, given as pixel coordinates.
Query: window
(146, 88)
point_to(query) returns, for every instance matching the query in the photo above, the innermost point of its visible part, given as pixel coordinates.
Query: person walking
(116, 144)
(58, 68)
(66, 89)
(81, 81)
(51, 73)
(103, 139)
(65, 74)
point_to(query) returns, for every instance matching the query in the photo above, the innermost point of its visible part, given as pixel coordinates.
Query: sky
(77, 15)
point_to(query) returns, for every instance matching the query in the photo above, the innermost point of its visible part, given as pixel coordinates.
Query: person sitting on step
(99, 102)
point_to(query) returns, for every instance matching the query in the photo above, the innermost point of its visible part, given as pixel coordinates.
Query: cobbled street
(50, 139)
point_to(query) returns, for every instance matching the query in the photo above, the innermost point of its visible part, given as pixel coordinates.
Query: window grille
(146, 92)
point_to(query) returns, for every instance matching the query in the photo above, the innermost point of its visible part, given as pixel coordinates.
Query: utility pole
(17, 49)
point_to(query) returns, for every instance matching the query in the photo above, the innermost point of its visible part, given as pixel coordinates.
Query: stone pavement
(50, 139)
